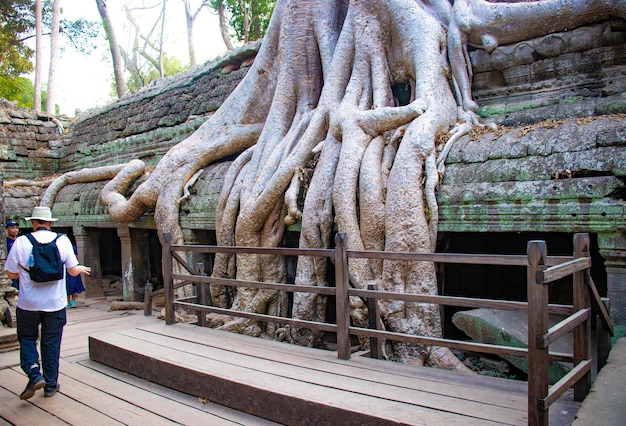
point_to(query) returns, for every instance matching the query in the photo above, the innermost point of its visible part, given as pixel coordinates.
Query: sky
(85, 81)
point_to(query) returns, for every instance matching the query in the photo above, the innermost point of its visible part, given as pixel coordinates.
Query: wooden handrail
(466, 302)
(541, 269)
(563, 327)
(329, 291)
(598, 305)
(563, 270)
(259, 317)
(255, 250)
(566, 382)
(476, 259)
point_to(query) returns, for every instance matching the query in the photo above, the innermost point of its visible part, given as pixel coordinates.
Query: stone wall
(566, 176)
(575, 73)
(148, 122)
(30, 142)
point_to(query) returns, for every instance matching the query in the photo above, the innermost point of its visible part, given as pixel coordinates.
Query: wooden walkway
(92, 393)
(187, 367)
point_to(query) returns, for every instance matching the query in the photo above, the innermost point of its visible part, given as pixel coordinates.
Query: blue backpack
(45, 262)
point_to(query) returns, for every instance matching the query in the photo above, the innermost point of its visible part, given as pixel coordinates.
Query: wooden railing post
(168, 282)
(582, 333)
(147, 299)
(201, 294)
(538, 363)
(373, 316)
(342, 284)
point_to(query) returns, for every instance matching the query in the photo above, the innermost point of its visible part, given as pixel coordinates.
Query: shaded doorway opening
(504, 282)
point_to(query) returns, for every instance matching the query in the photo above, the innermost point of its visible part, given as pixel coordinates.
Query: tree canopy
(17, 23)
(17, 26)
(247, 19)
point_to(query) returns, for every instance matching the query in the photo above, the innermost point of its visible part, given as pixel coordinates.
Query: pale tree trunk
(162, 40)
(38, 52)
(116, 57)
(223, 30)
(54, 55)
(246, 22)
(190, 17)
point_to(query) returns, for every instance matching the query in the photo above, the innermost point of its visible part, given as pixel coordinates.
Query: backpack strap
(34, 242)
(32, 239)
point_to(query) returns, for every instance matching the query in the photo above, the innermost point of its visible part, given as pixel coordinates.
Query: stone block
(510, 328)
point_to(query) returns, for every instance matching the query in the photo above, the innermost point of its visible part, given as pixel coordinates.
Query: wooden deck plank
(194, 333)
(76, 333)
(183, 398)
(278, 398)
(9, 359)
(116, 408)
(414, 392)
(17, 412)
(62, 407)
(168, 410)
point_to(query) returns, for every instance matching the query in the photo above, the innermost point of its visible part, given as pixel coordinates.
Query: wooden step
(294, 385)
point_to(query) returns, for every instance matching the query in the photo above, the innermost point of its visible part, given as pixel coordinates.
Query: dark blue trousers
(52, 323)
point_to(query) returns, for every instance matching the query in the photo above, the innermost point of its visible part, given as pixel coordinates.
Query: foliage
(248, 19)
(18, 89)
(16, 22)
(171, 66)
(21, 89)
(17, 26)
(82, 34)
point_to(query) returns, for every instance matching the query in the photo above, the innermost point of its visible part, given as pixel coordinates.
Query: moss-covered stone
(510, 328)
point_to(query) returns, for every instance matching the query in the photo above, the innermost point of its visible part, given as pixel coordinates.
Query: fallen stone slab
(510, 328)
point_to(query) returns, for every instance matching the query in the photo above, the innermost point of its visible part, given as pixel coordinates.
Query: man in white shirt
(41, 304)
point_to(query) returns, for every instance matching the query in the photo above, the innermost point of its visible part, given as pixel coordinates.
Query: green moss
(500, 109)
(613, 108)
(570, 99)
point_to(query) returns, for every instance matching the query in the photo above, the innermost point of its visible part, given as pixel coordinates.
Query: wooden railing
(541, 270)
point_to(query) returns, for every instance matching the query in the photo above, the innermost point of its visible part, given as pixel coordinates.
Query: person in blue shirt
(13, 230)
(74, 286)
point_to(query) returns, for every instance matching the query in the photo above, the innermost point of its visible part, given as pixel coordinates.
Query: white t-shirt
(48, 297)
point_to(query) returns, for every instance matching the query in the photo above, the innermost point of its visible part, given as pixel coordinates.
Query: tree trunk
(223, 29)
(189, 19)
(54, 55)
(116, 57)
(37, 100)
(161, 41)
